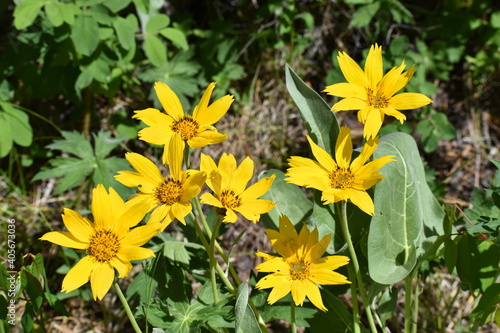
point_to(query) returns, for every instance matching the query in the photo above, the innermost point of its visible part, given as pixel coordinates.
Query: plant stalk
(126, 307)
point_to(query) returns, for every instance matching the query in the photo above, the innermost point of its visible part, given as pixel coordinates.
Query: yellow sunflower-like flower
(373, 93)
(108, 241)
(343, 179)
(229, 185)
(169, 196)
(197, 129)
(302, 266)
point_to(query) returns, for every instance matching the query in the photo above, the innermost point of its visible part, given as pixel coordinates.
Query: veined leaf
(407, 215)
(85, 34)
(320, 122)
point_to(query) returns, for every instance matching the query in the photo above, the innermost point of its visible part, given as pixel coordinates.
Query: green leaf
(155, 50)
(156, 23)
(116, 5)
(364, 15)
(69, 11)
(387, 304)
(433, 129)
(125, 32)
(403, 205)
(176, 36)
(176, 252)
(245, 318)
(26, 12)
(487, 304)
(290, 200)
(320, 122)
(85, 34)
(54, 13)
(19, 123)
(5, 135)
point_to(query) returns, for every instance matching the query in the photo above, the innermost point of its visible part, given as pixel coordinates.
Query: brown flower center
(299, 270)
(230, 199)
(104, 245)
(377, 102)
(187, 127)
(169, 192)
(341, 179)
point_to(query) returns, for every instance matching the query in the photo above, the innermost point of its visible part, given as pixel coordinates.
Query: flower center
(187, 127)
(341, 179)
(299, 270)
(230, 199)
(104, 245)
(377, 102)
(169, 192)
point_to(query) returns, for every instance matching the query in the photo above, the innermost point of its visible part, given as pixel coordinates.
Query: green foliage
(15, 128)
(89, 162)
(406, 211)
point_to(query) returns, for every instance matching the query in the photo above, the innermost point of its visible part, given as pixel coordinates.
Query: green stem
(292, 316)
(354, 298)
(415, 308)
(213, 262)
(126, 307)
(354, 258)
(408, 296)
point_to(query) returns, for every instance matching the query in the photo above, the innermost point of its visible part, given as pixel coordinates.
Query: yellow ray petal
(169, 100)
(373, 123)
(351, 70)
(78, 275)
(253, 209)
(386, 86)
(331, 262)
(201, 108)
(272, 280)
(407, 101)
(243, 174)
(367, 151)
(181, 210)
(403, 79)
(363, 201)
(258, 189)
(129, 253)
(100, 207)
(345, 89)
(390, 111)
(322, 156)
(319, 248)
(328, 277)
(208, 137)
(209, 199)
(79, 227)
(153, 117)
(175, 156)
(298, 289)
(208, 165)
(133, 213)
(135, 179)
(216, 110)
(230, 217)
(157, 135)
(140, 235)
(350, 103)
(278, 293)
(274, 265)
(160, 215)
(101, 278)
(314, 295)
(343, 148)
(373, 65)
(65, 238)
(123, 267)
(145, 167)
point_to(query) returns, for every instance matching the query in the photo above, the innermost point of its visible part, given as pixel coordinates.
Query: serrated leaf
(320, 122)
(403, 203)
(176, 251)
(176, 36)
(26, 12)
(290, 200)
(155, 50)
(54, 13)
(85, 34)
(125, 32)
(73, 143)
(104, 144)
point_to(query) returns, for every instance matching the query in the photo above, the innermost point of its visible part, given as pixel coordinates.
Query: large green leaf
(125, 31)
(290, 200)
(85, 34)
(245, 318)
(155, 50)
(407, 215)
(26, 12)
(320, 122)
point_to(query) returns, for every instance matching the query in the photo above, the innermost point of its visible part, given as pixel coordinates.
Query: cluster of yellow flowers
(113, 239)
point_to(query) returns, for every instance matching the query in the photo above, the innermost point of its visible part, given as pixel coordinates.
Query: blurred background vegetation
(73, 71)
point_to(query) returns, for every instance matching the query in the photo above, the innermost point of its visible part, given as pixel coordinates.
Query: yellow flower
(301, 267)
(373, 94)
(169, 196)
(108, 241)
(229, 184)
(341, 180)
(196, 129)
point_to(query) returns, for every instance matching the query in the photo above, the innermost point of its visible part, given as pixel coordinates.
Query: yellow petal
(390, 111)
(402, 80)
(244, 173)
(181, 210)
(140, 235)
(363, 201)
(351, 70)
(209, 199)
(367, 151)
(145, 167)
(227, 169)
(65, 238)
(230, 217)
(192, 186)
(129, 253)
(253, 209)
(343, 148)
(208, 137)
(322, 156)
(345, 89)
(258, 189)
(271, 281)
(101, 278)
(318, 249)
(407, 101)
(350, 103)
(135, 179)
(327, 277)
(373, 123)
(79, 227)
(331, 262)
(200, 110)
(373, 65)
(386, 86)
(78, 275)
(298, 289)
(216, 110)
(314, 295)
(169, 100)
(157, 135)
(100, 207)
(133, 214)
(175, 156)
(153, 117)
(276, 264)
(160, 215)
(123, 267)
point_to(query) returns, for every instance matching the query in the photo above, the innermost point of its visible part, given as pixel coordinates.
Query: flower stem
(292, 316)
(213, 262)
(354, 295)
(126, 307)
(347, 237)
